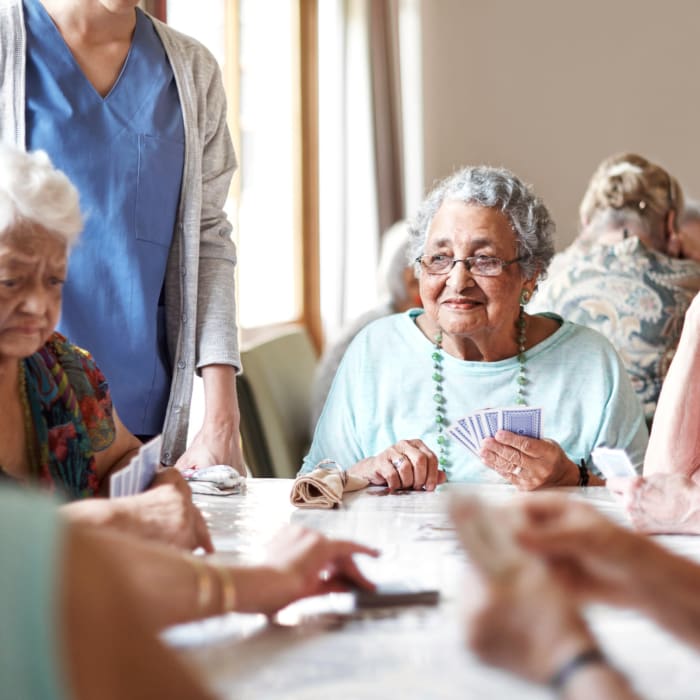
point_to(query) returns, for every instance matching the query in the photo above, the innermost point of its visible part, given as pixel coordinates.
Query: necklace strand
(439, 396)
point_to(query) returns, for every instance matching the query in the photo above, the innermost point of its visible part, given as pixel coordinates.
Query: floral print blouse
(71, 412)
(634, 296)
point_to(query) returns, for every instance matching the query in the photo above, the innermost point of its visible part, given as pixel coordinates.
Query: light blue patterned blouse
(383, 392)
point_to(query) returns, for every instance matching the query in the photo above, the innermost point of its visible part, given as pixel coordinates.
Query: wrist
(261, 589)
(566, 673)
(596, 680)
(569, 472)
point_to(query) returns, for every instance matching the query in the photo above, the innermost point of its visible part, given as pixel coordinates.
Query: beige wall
(548, 88)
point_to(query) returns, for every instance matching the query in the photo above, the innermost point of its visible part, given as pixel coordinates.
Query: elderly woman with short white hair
(481, 241)
(59, 426)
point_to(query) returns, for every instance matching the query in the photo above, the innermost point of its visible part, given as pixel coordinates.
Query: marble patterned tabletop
(322, 648)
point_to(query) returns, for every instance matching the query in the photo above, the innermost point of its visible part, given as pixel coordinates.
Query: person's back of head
(396, 277)
(631, 196)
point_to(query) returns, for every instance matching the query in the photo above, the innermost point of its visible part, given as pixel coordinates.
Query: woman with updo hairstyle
(627, 189)
(624, 275)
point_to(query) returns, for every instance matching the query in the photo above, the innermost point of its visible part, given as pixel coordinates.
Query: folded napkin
(216, 480)
(324, 488)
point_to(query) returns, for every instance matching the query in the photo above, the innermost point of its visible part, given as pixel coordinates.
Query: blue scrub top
(125, 154)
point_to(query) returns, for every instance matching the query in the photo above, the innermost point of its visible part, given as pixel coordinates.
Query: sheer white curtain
(368, 58)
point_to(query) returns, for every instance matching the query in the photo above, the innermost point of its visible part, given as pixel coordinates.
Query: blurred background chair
(274, 395)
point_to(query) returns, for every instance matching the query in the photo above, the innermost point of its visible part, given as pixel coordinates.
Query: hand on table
(527, 462)
(590, 555)
(300, 563)
(661, 503)
(212, 447)
(409, 464)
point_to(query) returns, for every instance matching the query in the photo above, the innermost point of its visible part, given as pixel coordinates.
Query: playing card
(522, 421)
(464, 426)
(473, 429)
(489, 417)
(149, 462)
(115, 485)
(137, 475)
(613, 463)
(459, 434)
(479, 430)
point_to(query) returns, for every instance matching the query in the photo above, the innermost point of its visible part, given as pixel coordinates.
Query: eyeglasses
(481, 265)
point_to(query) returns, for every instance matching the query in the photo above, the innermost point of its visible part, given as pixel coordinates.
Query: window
(257, 44)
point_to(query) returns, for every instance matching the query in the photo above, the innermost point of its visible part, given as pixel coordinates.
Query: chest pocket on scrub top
(159, 179)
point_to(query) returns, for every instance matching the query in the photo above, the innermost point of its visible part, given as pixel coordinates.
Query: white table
(403, 653)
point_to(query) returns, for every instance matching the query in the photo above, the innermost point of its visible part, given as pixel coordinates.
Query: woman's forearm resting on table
(674, 444)
(218, 439)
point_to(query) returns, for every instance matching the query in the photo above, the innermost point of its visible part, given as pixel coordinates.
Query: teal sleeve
(30, 550)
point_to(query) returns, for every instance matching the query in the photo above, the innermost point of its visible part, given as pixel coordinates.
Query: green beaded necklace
(439, 397)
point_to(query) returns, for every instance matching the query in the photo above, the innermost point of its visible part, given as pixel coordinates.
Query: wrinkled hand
(409, 464)
(212, 447)
(661, 503)
(527, 462)
(590, 555)
(166, 513)
(526, 624)
(302, 562)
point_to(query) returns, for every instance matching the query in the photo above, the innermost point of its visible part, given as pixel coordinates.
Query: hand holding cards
(138, 474)
(473, 429)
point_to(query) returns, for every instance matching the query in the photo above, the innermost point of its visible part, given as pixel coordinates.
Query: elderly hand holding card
(509, 441)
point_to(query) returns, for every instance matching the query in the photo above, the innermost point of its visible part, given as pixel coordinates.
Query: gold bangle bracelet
(228, 589)
(204, 584)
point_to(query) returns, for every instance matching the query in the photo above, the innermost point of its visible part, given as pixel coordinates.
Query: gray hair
(33, 192)
(502, 190)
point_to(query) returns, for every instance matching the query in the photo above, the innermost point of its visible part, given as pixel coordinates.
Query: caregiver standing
(134, 113)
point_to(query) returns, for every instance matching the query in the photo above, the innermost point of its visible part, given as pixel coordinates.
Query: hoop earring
(524, 297)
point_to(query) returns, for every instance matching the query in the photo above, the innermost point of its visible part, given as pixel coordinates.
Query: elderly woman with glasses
(481, 241)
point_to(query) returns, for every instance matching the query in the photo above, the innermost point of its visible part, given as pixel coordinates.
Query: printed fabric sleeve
(91, 391)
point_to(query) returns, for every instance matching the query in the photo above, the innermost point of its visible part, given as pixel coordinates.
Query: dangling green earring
(524, 297)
